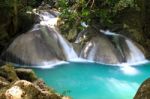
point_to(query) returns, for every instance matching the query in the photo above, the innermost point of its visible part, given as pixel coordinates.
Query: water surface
(95, 81)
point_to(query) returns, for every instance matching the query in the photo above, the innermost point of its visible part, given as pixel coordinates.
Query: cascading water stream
(50, 21)
(67, 48)
(136, 54)
(46, 45)
(42, 46)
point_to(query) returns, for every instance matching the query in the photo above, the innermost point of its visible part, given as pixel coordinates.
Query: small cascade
(50, 21)
(109, 47)
(135, 54)
(107, 32)
(40, 47)
(132, 53)
(67, 48)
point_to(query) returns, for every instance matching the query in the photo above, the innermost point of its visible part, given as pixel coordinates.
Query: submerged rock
(23, 84)
(144, 90)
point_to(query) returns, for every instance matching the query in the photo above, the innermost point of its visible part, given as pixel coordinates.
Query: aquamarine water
(95, 81)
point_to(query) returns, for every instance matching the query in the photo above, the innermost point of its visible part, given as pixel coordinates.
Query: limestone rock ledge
(144, 90)
(23, 84)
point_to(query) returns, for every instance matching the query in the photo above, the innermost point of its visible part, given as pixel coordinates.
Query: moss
(26, 74)
(34, 88)
(8, 72)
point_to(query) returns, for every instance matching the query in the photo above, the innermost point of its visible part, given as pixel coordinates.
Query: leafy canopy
(73, 12)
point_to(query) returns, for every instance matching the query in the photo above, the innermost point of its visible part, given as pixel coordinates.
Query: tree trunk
(15, 17)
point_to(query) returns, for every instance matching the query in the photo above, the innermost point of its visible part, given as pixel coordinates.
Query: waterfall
(44, 45)
(135, 54)
(110, 48)
(50, 21)
(67, 48)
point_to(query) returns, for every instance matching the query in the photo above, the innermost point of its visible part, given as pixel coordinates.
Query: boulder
(26, 74)
(23, 89)
(144, 90)
(107, 47)
(20, 83)
(100, 49)
(33, 48)
(8, 72)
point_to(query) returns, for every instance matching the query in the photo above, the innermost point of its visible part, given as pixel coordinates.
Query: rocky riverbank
(144, 90)
(20, 83)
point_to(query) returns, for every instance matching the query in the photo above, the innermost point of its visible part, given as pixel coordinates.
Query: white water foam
(50, 21)
(48, 66)
(136, 54)
(68, 49)
(107, 32)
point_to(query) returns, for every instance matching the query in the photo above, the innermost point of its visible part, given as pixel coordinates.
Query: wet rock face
(43, 45)
(24, 86)
(144, 90)
(100, 49)
(34, 48)
(107, 47)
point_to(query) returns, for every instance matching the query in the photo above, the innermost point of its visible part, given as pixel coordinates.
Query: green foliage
(122, 4)
(73, 12)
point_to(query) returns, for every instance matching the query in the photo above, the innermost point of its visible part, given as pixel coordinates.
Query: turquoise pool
(95, 81)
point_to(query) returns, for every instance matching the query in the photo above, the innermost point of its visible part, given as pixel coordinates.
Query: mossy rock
(22, 83)
(26, 74)
(8, 72)
(144, 90)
